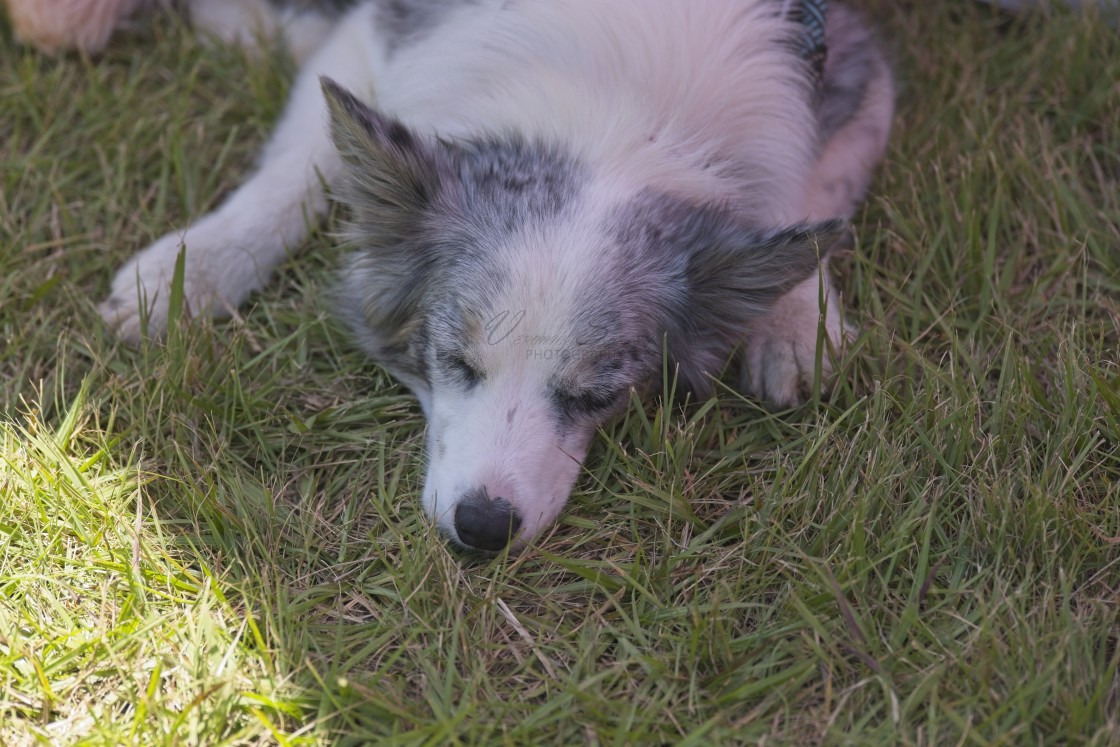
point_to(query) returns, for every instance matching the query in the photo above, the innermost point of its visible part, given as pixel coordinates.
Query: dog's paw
(781, 369)
(779, 364)
(141, 290)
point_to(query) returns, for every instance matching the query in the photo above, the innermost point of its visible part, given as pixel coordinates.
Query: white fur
(232, 252)
(635, 87)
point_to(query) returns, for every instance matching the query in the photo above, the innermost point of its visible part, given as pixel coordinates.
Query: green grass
(217, 540)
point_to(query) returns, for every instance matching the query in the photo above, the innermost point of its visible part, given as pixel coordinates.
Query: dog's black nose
(485, 523)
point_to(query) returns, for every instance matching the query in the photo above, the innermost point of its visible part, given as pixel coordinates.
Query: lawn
(217, 539)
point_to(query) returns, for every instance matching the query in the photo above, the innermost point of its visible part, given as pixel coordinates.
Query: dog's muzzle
(485, 523)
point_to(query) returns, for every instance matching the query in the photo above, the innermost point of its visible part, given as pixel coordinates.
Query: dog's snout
(485, 523)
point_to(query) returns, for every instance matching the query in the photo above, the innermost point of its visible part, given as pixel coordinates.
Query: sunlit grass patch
(111, 628)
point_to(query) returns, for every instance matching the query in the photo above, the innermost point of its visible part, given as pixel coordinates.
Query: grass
(217, 540)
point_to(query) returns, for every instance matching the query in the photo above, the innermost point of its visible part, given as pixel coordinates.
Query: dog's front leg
(804, 330)
(232, 251)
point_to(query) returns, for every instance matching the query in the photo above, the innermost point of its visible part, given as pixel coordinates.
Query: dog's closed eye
(584, 402)
(461, 369)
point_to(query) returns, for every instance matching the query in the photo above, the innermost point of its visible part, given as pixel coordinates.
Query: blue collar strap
(810, 14)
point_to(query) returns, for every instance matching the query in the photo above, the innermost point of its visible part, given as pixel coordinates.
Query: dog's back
(704, 97)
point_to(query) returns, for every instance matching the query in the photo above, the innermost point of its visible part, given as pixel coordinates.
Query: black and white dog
(544, 197)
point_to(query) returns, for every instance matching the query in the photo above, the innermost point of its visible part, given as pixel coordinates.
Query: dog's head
(522, 301)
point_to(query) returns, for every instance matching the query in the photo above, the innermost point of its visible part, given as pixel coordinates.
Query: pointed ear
(391, 181)
(392, 174)
(734, 275)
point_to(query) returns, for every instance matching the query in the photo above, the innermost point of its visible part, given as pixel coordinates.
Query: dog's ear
(737, 274)
(391, 181)
(734, 275)
(392, 175)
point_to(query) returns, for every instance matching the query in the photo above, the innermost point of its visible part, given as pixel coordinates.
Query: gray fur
(706, 276)
(323, 7)
(502, 183)
(400, 22)
(427, 216)
(612, 344)
(391, 182)
(853, 63)
(405, 21)
(591, 387)
(680, 274)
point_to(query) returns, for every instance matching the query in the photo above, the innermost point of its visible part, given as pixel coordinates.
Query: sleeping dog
(544, 198)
